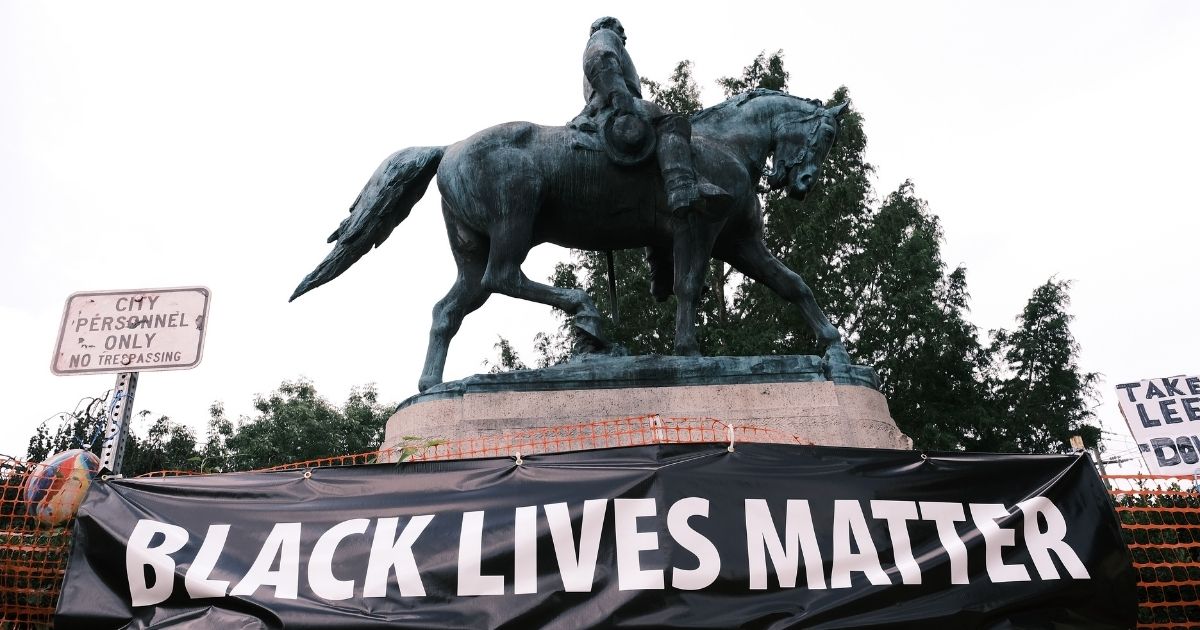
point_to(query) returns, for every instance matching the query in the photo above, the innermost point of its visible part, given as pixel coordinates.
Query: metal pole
(1100, 467)
(117, 428)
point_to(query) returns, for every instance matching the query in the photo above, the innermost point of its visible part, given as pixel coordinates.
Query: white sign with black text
(1164, 417)
(132, 331)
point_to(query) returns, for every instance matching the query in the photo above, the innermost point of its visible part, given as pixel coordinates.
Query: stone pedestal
(804, 396)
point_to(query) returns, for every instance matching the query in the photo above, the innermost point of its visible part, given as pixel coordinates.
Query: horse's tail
(397, 185)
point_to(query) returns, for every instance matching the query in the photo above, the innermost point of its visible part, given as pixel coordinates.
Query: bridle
(782, 167)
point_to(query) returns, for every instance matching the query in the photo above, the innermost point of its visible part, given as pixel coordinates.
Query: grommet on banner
(308, 473)
(729, 428)
(924, 457)
(517, 458)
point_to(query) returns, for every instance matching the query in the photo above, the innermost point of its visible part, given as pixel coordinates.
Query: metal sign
(132, 331)
(1164, 417)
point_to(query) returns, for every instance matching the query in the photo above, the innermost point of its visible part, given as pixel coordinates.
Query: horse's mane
(745, 97)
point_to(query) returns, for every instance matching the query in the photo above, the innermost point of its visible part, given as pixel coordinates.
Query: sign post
(116, 429)
(128, 332)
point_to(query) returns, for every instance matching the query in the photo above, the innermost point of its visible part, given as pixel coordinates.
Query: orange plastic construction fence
(1159, 515)
(1160, 520)
(33, 553)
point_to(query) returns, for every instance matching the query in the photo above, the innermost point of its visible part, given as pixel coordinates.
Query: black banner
(767, 536)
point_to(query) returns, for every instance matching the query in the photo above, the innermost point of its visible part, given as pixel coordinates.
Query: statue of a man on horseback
(513, 186)
(632, 128)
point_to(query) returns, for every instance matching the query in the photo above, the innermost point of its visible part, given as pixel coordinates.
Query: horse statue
(516, 185)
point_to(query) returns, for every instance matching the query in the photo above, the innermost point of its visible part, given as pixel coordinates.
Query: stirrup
(711, 202)
(684, 199)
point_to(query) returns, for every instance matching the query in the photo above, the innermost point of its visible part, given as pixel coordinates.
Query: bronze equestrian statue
(513, 186)
(612, 94)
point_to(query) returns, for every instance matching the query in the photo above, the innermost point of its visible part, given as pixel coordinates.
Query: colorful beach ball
(56, 487)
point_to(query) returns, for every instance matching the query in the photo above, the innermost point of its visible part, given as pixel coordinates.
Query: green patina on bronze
(511, 187)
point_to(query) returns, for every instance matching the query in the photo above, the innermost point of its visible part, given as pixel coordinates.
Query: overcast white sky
(158, 144)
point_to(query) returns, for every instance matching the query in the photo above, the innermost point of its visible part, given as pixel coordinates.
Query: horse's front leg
(693, 245)
(751, 257)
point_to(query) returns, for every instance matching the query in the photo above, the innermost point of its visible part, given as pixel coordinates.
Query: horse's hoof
(587, 344)
(589, 326)
(426, 382)
(836, 354)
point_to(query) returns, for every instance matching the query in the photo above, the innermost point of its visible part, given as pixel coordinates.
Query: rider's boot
(684, 193)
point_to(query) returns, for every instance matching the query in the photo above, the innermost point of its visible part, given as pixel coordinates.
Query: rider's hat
(629, 139)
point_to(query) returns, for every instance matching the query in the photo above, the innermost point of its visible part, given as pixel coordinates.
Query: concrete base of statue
(804, 396)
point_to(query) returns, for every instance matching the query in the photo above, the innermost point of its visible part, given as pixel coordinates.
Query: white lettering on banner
(139, 555)
(799, 535)
(897, 514)
(709, 566)
(283, 544)
(151, 555)
(320, 562)
(1041, 543)
(577, 570)
(850, 530)
(525, 550)
(471, 580)
(631, 543)
(944, 516)
(995, 539)
(196, 580)
(390, 553)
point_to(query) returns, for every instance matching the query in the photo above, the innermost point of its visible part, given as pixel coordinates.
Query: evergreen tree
(764, 72)
(877, 271)
(1044, 396)
(507, 358)
(680, 94)
(906, 318)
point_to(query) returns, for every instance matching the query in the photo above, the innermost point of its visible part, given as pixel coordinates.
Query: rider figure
(612, 88)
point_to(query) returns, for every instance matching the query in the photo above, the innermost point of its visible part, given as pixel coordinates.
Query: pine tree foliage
(1043, 395)
(507, 358)
(764, 72)
(680, 95)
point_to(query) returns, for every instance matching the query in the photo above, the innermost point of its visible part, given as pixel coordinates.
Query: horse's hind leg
(467, 295)
(509, 246)
(751, 257)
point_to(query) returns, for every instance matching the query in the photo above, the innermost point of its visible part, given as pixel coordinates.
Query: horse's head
(802, 139)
